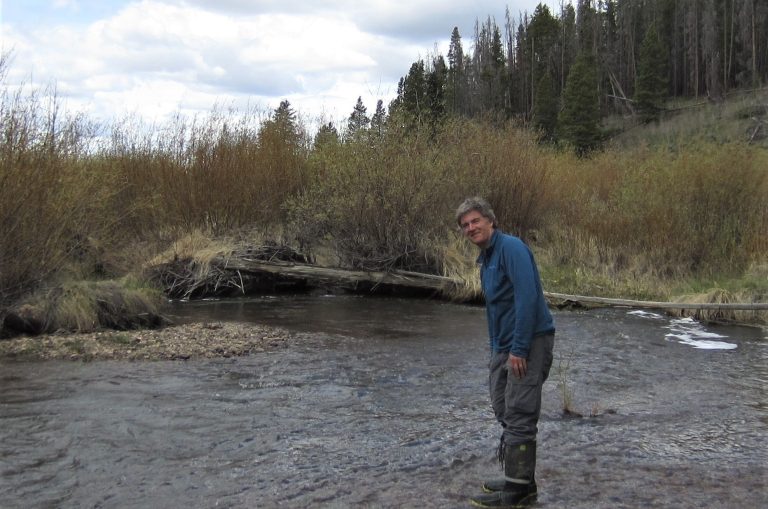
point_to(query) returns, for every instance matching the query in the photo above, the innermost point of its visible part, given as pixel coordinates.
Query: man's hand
(518, 365)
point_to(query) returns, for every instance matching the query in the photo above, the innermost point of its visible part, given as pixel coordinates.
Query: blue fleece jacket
(514, 301)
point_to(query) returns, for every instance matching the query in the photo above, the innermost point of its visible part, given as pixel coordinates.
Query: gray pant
(517, 402)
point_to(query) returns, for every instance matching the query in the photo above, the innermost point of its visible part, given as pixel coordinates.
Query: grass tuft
(85, 306)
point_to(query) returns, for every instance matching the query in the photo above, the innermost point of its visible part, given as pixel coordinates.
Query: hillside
(741, 117)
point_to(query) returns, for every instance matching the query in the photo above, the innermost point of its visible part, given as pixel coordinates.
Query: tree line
(562, 72)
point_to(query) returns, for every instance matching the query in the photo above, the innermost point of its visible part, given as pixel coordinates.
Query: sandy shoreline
(178, 342)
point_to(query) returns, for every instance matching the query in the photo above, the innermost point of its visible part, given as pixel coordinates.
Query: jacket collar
(489, 249)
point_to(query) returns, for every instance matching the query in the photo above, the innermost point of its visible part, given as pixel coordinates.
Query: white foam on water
(646, 314)
(703, 344)
(690, 332)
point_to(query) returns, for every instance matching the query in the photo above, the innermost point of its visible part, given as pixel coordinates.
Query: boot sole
(526, 502)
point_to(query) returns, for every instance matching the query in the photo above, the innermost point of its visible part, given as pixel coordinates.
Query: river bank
(177, 342)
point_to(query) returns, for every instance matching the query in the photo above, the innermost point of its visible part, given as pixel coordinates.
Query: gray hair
(478, 204)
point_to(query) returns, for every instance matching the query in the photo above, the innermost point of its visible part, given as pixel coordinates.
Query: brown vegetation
(643, 222)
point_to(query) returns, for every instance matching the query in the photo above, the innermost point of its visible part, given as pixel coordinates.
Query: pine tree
(498, 99)
(523, 68)
(282, 132)
(327, 135)
(586, 26)
(456, 79)
(488, 65)
(569, 44)
(543, 37)
(283, 122)
(435, 89)
(358, 119)
(651, 89)
(412, 93)
(283, 144)
(545, 108)
(578, 122)
(379, 118)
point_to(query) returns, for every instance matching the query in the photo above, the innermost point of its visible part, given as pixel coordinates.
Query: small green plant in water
(566, 391)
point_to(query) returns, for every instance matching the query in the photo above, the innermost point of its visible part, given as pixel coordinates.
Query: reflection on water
(382, 403)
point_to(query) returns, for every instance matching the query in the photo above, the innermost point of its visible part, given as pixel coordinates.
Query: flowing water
(382, 402)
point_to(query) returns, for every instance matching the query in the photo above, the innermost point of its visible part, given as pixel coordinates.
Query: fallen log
(714, 306)
(338, 277)
(441, 284)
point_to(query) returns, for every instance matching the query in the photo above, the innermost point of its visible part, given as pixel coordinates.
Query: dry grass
(458, 257)
(738, 120)
(665, 213)
(198, 246)
(714, 296)
(752, 287)
(195, 265)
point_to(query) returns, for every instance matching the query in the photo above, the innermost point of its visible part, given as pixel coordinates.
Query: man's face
(477, 228)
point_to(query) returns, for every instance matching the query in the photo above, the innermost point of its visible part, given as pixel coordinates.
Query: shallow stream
(382, 402)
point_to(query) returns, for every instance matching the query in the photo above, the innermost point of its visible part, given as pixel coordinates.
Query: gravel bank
(181, 342)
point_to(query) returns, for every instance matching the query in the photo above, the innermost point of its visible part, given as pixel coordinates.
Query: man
(522, 335)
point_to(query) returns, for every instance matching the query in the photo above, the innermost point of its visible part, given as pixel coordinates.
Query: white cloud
(154, 57)
(65, 4)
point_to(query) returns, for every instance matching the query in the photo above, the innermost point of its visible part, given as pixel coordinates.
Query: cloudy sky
(154, 58)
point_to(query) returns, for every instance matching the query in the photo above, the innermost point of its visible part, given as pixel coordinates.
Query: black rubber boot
(494, 485)
(519, 486)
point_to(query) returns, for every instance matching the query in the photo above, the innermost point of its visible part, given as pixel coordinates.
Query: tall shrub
(388, 202)
(52, 206)
(218, 172)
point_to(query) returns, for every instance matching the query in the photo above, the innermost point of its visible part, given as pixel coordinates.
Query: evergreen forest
(561, 72)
